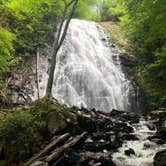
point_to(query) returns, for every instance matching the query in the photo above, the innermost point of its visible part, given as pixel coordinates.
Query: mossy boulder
(55, 122)
(58, 121)
(160, 158)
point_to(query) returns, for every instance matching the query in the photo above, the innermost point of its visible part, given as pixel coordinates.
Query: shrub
(18, 135)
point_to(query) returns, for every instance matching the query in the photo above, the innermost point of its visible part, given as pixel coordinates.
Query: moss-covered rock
(160, 158)
(55, 122)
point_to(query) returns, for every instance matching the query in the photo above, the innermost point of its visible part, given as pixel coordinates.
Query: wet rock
(149, 145)
(39, 163)
(159, 116)
(115, 112)
(129, 137)
(96, 159)
(88, 140)
(98, 146)
(161, 133)
(126, 60)
(129, 152)
(156, 140)
(122, 127)
(105, 162)
(69, 159)
(131, 118)
(160, 158)
(86, 123)
(151, 126)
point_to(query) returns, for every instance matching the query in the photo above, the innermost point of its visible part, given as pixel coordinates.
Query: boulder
(115, 112)
(55, 122)
(129, 137)
(160, 158)
(161, 133)
(69, 159)
(86, 123)
(129, 152)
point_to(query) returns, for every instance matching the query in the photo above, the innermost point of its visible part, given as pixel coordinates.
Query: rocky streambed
(107, 139)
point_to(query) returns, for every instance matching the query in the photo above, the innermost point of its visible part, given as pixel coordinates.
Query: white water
(86, 74)
(145, 150)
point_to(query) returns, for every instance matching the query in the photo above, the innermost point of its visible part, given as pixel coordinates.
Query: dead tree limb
(48, 148)
(58, 152)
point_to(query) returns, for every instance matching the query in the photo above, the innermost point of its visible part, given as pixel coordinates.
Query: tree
(144, 25)
(64, 23)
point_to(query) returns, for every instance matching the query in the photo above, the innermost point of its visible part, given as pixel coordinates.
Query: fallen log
(57, 152)
(48, 148)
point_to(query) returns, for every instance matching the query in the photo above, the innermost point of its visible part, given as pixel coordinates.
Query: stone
(151, 126)
(129, 152)
(55, 122)
(39, 163)
(69, 159)
(161, 133)
(129, 137)
(86, 123)
(105, 162)
(160, 158)
(98, 146)
(115, 112)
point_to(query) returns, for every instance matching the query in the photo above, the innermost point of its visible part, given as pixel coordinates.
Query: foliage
(25, 24)
(85, 10)
(6, 49)
(32, 21)
(144, 24)
(110, 10)
(23, 130)
(18, 135)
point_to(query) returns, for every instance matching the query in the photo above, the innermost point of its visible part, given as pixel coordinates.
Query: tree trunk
(55, 154)
(48, 148)
(37, 75)
(58, 42)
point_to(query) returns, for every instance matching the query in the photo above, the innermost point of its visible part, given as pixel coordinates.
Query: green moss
(24, 129)
(18, 133)
(116, 34)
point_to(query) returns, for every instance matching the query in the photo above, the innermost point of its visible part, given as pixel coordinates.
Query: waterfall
(88, 71)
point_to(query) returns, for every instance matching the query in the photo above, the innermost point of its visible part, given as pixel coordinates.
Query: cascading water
(144, 149)
(88, 70)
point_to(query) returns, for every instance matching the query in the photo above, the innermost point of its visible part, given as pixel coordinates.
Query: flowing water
(144, 149)
(88, 70)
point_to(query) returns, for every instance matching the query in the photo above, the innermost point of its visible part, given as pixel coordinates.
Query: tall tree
(63, 26)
